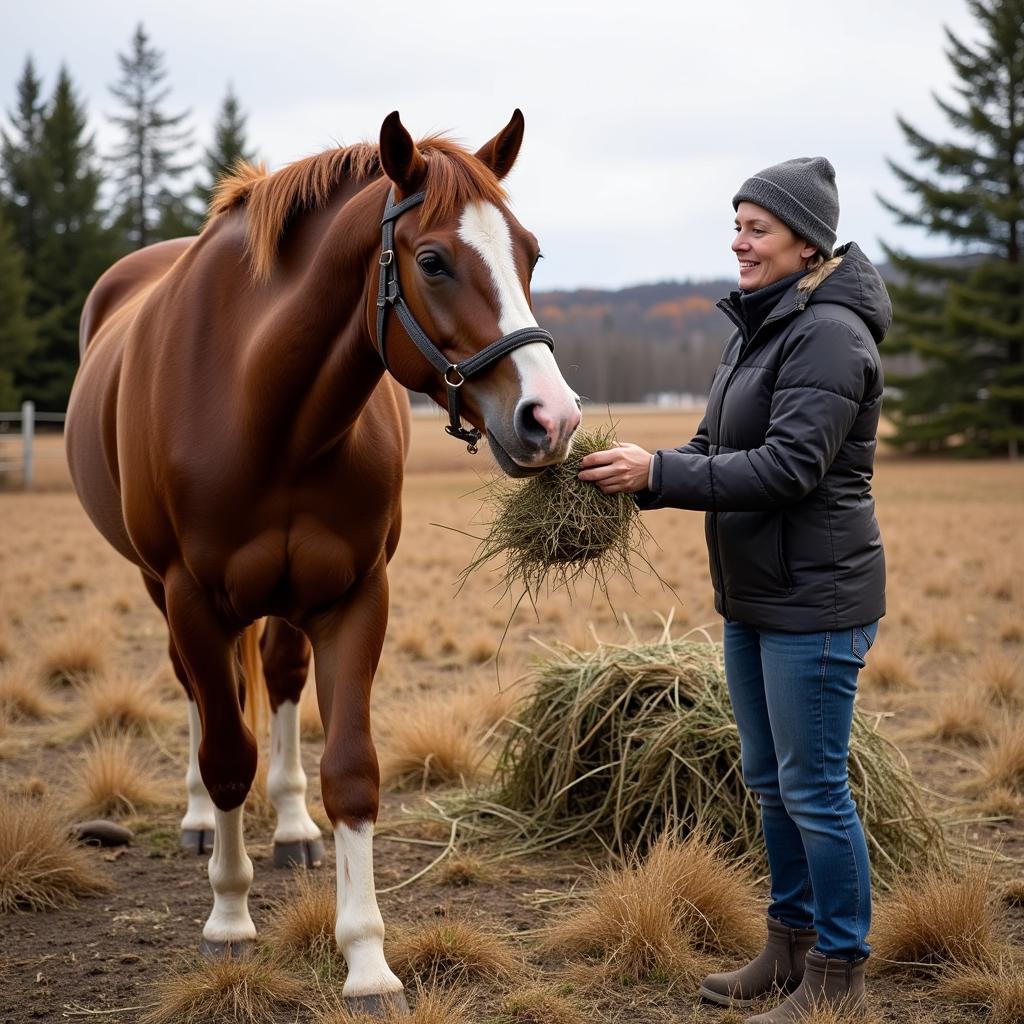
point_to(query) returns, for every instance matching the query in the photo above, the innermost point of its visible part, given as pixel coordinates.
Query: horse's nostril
(529, 427)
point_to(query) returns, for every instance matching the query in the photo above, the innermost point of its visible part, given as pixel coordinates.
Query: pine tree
(148, 161)
(229, 145)
(17, 334)
(964, 318)
(23, 180)
(76, 248)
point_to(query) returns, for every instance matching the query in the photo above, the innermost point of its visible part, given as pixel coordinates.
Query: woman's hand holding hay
(622, 469)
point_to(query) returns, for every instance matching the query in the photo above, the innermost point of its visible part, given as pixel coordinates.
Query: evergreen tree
(17, 335)
(148, 161)
(229, 145)
(964, 318)
(76, 248)
(23, 180)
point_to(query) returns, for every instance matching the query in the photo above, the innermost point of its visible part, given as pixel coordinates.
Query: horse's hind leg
(346, 644)
(297, 839)
(227, 757)
(197, 825)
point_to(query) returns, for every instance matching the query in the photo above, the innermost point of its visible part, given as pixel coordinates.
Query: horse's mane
(454, 177)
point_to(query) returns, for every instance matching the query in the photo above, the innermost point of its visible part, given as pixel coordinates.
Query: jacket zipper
(744, 348)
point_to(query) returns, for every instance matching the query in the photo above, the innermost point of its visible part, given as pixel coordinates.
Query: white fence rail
(9, 430)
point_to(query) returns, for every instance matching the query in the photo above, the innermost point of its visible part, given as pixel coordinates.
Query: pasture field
(92, 721)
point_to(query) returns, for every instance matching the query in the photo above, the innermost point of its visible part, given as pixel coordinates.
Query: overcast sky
(642, 118)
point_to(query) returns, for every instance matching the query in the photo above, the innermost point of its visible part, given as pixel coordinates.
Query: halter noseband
(454, 374)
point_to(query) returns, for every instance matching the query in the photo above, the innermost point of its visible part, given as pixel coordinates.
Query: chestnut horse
(233, 432)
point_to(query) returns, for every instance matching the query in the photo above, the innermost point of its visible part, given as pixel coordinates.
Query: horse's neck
(316, 363)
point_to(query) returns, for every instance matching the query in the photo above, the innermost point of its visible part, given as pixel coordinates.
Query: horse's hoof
(305, 853)
(197, 840)
(384, 1005)
(228, 949)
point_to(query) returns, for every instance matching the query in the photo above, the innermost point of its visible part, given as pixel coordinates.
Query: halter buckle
(387, 257)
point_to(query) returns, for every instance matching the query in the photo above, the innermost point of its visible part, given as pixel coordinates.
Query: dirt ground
(955, 553)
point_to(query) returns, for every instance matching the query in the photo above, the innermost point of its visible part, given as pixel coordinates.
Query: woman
(782, 465)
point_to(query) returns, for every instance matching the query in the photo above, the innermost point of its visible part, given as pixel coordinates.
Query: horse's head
(456, 272)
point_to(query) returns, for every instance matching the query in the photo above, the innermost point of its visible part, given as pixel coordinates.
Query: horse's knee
(350, 784)
(228, 767)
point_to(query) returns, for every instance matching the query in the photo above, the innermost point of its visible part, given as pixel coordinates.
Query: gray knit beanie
(802, 194)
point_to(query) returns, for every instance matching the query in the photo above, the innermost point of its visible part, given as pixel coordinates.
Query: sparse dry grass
(114, 778)
(259, 811)
(1012, 893)
(889, 670)
(937, 917)
(40, 867)
(944, 632)
(452, 951)
(999, 988)
(423, 743)
(120, 703)
(75, 652)
(961, 716)
(463, 868)
(23, 698)
(1000, 674)
(652, 916)
(301, 925)
(539, 1006)
(1003, 760)
(431, 1006)
(228, 991)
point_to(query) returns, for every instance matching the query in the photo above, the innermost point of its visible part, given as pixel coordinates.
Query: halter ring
(454, 383)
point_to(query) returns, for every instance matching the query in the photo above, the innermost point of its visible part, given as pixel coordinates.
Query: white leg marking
(483, 227)
(199, 812)
(230, 873)
(286, 781)
(359, 930)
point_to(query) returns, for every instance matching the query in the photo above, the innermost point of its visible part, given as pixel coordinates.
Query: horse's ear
(500, 153)
(402, 161)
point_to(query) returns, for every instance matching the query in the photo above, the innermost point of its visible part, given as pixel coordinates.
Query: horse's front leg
(346, 648)
(226, 756)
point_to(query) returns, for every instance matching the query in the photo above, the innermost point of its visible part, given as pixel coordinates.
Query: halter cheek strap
(389, 296)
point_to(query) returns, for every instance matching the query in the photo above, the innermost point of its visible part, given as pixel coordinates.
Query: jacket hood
(856, 284)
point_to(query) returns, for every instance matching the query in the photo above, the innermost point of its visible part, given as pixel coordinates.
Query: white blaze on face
(485, 230)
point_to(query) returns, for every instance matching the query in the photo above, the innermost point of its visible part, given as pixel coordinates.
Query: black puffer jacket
(782, 460)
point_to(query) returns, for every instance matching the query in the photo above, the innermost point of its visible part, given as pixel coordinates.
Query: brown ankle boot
(827, 984)
(780, 964)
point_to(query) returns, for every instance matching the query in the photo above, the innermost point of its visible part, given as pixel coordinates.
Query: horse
(238, 428)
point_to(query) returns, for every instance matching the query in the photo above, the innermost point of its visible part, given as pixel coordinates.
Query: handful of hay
(555, 528)
(617, 744)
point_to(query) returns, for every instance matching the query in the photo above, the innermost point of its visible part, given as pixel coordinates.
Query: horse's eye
(431, 264)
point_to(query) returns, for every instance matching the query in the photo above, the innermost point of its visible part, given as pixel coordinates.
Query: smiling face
(766, 248)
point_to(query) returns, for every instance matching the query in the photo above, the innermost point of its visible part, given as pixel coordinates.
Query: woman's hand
(622, 468)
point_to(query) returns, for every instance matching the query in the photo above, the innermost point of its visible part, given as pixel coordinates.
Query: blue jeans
(792, 695)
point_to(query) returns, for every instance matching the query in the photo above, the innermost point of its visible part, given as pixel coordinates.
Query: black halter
(455, 374)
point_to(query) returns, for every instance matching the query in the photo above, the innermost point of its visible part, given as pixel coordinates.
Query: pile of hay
(554, 528)
(617, 744)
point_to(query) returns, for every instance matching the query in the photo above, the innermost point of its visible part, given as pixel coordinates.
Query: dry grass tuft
(539, 1006)
(1012, 894)
(944, 632)
(937, 917)
(999, 802)
(23, 698)
(301, 925)
(556, 529)
(889, 670)
(75, 653)
(452, 951)
(999, 988)
(114, 778)
(239, 991)
(463, 868)
(1000, 674)
(424, 744)
(1003, 761)
(120, 704)
(40, 867)
(651, 916)
(432, 1006)
(961, 716)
